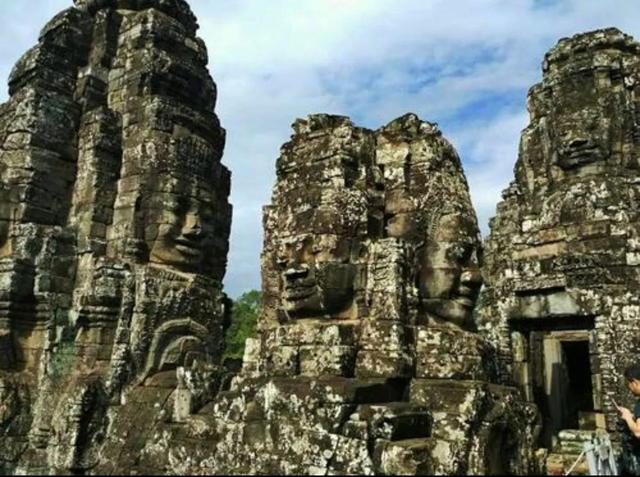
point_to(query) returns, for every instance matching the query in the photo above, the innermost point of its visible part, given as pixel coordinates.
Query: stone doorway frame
(537, 347)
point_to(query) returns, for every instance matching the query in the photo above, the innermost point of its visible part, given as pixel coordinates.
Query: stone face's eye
(283, 254)
(456, 253)
(207, 214)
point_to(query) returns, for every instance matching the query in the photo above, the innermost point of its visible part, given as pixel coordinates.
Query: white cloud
(465, 64)
(493, 144)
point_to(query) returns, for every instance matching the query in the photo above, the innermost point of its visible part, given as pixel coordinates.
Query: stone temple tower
(562, 274)
(367, 359)
(378, 351)
(114, 224)
(370, 276)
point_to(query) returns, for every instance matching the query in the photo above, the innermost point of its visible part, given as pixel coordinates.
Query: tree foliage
(244, 317)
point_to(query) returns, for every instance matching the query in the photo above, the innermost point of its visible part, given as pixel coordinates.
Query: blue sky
(465, 64)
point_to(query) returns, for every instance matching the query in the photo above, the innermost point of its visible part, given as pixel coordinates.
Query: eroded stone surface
(370, 274)
(353, 372)
(114, 225)
(561, 257)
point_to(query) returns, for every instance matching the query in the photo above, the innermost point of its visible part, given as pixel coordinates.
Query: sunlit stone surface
(562, 259)
(377, 352)
(114, 226)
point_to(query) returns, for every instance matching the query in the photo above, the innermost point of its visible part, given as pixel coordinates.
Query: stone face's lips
(298, 297)
(296, 279)
(583, 152)
(587, 149)
(299, 292)
(465, 301)
(577, 156)
(189, 247)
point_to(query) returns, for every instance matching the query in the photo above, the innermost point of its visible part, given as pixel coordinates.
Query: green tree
(244, 317)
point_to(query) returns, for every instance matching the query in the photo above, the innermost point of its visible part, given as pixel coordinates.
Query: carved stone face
(449, 277)
(7, 213)
(181, 239)
(580, 119)
(320, 214)
(583, 137)
(317, 278)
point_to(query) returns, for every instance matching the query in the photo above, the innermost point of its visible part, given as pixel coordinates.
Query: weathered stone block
(450, 396)
(385, 336)
(380, 364)
(449, 353)
(327, 360)
(317, 333)
(395, 421)
(282, 361)
(409, 457)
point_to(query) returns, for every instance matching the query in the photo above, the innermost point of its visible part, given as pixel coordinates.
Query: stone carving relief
(114, 223)
(561, 254)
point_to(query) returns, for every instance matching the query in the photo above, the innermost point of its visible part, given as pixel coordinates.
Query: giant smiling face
(449, 275)
(181, 234)
(317, 276)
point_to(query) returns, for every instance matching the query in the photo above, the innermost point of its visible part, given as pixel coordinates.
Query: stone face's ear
(175, 344)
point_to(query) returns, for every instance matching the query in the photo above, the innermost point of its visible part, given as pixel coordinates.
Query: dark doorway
(580, 387)
(565, 392)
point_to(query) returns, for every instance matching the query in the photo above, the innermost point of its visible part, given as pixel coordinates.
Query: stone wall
(359, 368)
(372, 356)
(114, 224)
(367, 359)
(561, 260)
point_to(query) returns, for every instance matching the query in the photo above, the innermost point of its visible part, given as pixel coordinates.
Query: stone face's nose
(192, 226)
(471, 276)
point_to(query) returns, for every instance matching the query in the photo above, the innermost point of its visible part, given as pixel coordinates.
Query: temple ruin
(561, 261)
(373, 287)
(391, 339)
(361, 367)
(114, 225)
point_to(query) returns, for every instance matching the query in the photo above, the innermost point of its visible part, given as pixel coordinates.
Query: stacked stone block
(114, 225)
(562, 247)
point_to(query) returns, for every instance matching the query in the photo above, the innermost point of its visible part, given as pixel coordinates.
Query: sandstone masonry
(114, 225)
(378, 350)
(561, 262)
